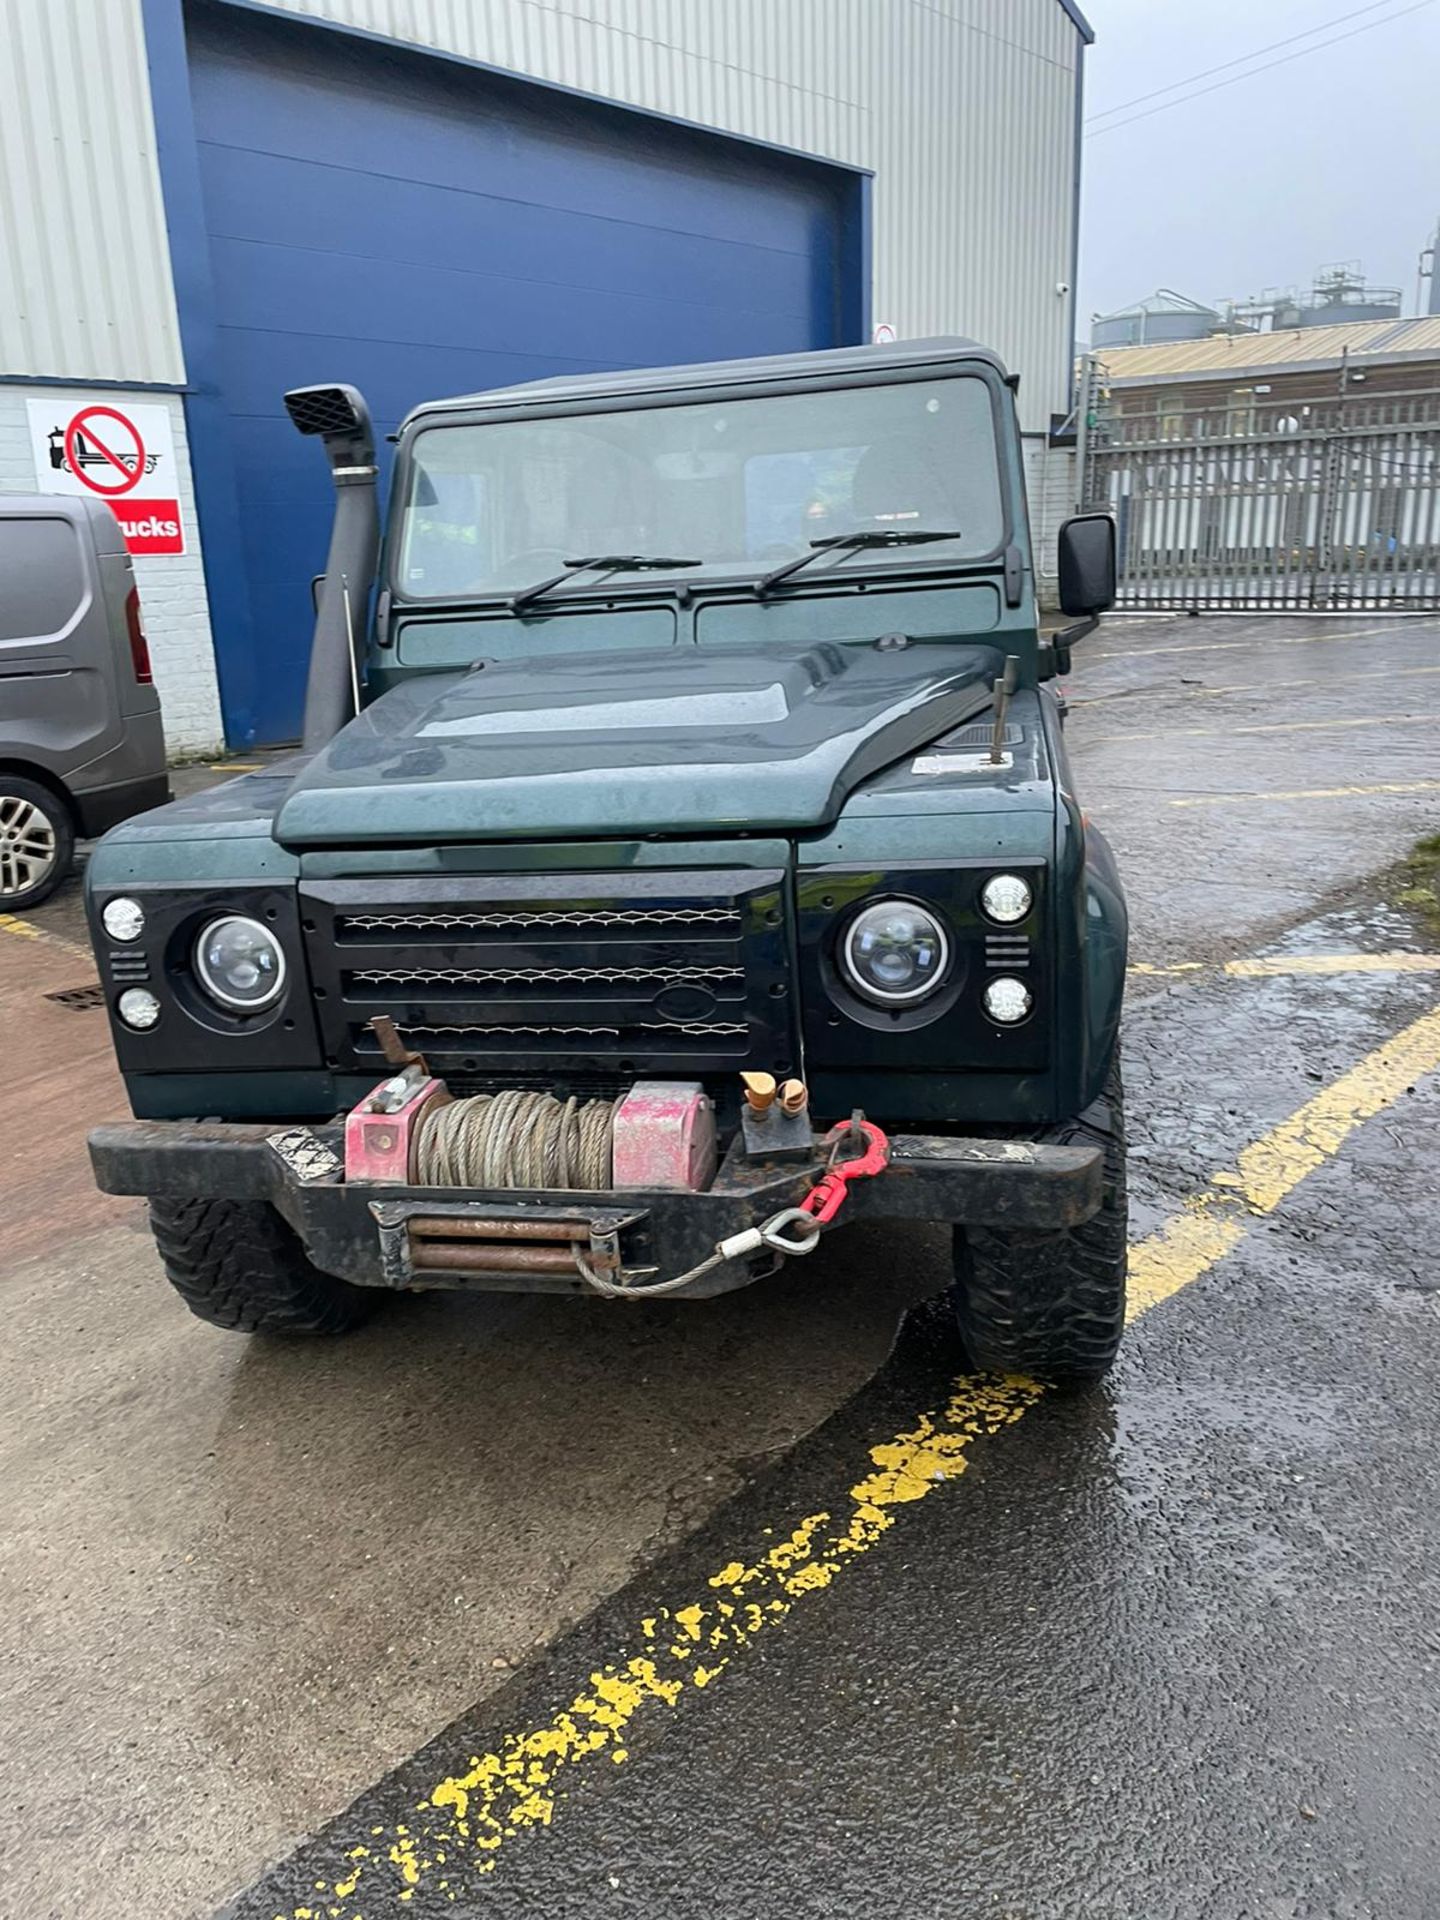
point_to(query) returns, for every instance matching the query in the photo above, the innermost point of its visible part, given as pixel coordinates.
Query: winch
(658, 1137)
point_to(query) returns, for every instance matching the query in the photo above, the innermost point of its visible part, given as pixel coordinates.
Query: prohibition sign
(129, 466)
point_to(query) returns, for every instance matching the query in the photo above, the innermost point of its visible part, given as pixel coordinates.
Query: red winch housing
(663, 1133)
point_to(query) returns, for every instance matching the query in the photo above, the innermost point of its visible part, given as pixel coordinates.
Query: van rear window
(42, 579)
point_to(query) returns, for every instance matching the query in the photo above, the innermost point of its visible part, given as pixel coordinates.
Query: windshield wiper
(851, 543)
(602, 563)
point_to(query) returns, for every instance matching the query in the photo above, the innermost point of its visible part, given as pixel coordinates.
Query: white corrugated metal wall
(85, 286)
(965, 109)
(86, 293)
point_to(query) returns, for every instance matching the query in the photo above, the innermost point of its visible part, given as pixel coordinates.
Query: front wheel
(236, 1264)
(1052, 1305)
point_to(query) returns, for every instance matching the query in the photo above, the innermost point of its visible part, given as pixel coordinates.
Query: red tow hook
(825, 1198)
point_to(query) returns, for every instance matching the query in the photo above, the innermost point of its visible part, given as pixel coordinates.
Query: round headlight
(895, 952)
(123, 919)
(1006, 898)
(1007, 1000)
(240, 963)
(138, 1008)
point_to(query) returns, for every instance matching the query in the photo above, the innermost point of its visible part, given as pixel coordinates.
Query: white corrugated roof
(1224, 355)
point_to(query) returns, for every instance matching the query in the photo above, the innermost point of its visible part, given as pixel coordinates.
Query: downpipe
(340, 419)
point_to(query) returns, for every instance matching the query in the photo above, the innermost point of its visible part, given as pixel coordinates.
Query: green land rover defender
(682, 860)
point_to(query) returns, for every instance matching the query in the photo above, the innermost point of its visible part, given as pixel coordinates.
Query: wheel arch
(41, 777)
(1107, 953)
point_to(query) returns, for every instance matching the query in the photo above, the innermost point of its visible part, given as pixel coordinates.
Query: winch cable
(518, 1138)
(526, 1138)
(792, 1231)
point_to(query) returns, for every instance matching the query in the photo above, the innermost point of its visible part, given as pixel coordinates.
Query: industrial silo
(1160, 317)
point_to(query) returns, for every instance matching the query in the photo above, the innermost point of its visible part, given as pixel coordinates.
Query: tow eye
(858, 1150)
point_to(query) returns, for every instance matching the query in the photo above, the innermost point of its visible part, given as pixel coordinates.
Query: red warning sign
(121, 454)
(151, 526)
(104, 451)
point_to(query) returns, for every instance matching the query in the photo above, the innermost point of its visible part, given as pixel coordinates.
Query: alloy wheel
(27, 845)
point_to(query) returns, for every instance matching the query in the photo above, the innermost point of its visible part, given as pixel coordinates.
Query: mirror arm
(1060, 643)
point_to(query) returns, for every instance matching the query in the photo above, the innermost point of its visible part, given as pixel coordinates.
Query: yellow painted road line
(1309, 793)
(1215, 693)
(27, 930)
(1271, 686)
(1302, 963)
(1295, 964)
(458, 1830)
(1276, 726)
(1275, 1164)
(1258, 645)
(1335, 963)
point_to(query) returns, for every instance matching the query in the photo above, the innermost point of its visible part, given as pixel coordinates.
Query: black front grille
(584, 974)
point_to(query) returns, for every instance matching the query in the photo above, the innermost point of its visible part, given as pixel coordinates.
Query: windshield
(738, 485)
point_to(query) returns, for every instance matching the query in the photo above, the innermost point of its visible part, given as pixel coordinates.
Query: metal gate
(1269, 505)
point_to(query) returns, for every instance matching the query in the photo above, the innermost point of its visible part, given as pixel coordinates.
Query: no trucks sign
(106, 449)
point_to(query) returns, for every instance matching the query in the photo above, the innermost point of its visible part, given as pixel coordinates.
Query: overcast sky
(1333, 156)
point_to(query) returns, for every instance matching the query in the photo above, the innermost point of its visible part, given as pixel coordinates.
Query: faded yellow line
(1308, 793)
(1327, 963)
(1277, 726)
(1215, 693)
(1276, 1163)
(458, 1830)
(1187, 1246)
(1255, 645)
(27, 930)
(1304, 963)
(1272, 686)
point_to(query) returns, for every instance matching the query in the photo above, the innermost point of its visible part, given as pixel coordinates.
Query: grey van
(81, 740)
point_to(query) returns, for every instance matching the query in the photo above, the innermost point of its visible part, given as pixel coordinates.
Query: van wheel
(1052, 1305)
(37, 842)
(237, 1264)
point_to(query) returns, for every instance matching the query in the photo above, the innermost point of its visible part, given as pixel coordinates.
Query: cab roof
(706, 376)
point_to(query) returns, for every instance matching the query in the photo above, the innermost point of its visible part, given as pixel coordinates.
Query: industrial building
(1244, 382)
(205, 202)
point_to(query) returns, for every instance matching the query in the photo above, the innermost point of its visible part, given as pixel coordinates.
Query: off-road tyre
(37, 843)
(237, 1264)
(1052, 1305)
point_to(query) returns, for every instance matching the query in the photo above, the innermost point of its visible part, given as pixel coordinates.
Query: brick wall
(177, 616)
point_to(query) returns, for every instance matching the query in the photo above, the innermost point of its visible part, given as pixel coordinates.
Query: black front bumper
(368, 1233)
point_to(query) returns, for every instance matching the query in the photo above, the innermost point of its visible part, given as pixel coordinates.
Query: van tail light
(139, 645)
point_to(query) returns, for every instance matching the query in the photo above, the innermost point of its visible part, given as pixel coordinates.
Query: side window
(42, 578)
(448, 536)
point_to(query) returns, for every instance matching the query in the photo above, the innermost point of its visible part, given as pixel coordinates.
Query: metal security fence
(1322, 506)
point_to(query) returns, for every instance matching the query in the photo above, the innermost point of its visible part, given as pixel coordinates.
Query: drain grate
(80, 999)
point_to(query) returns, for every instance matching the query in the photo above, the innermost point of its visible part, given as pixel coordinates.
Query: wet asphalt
(1168, 1649)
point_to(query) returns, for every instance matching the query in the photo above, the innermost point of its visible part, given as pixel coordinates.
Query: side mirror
(1087, 564)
